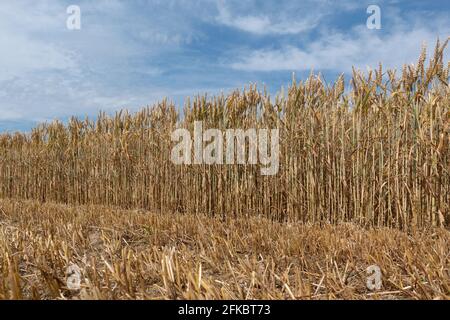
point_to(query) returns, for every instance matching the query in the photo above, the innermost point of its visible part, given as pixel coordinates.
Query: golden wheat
(375, 155)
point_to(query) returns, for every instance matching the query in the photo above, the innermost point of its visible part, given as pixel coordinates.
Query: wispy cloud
(51, 72)
(281, 17)
(21, 53)
(263, 24)
(339, 52)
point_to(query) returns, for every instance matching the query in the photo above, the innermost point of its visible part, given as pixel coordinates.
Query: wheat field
(364, 179)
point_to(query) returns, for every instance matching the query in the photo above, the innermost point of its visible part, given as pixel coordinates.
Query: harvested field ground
(141, 255)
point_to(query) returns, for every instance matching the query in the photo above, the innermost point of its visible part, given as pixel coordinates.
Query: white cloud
(20, 52)
(9, 115)
(262, 24)
(31, 56)
(281, 17)
(48, 71)
(339, 52)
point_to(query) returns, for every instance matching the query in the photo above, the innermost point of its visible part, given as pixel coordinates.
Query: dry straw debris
(141, 255)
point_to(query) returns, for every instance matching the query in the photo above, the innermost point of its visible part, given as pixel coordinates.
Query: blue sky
(132, 53)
